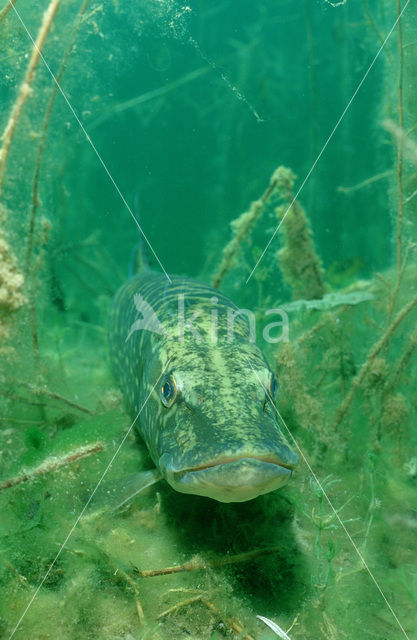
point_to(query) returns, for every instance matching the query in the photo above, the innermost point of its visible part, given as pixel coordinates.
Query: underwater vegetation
(272, 150)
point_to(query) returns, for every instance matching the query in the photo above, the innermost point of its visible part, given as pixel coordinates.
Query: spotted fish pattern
(208, 424)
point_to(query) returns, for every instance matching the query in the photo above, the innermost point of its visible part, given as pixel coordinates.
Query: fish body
(208, 423)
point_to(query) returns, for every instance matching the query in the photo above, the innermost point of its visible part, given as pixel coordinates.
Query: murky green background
(189, 110)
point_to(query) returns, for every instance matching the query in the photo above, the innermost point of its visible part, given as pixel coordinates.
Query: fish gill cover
(272, 150)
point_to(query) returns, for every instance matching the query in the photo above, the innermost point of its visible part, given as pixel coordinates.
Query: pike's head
(211, 424)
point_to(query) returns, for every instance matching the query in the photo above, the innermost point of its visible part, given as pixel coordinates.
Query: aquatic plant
(300, 265)
(241, 227)
(25, 88)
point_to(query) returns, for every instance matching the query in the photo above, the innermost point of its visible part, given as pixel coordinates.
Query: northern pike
(209, 422)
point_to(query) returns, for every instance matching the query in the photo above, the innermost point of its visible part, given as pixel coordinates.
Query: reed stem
(53, 464)
(6, 9)
(45, 124)
(25, 88)
(198, 563)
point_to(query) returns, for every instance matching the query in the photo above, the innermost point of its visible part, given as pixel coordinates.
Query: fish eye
(168, 391)
(273, 385)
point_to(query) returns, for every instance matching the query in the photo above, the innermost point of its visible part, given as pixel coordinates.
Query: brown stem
(45, 124)
(6, 9)
(40, 391)
(26, 89)
(199, 563)
(246, 221)
(393, 380)
(340, 414)
(52, 464)
(391, 301)
(121, 575)
(138, 605)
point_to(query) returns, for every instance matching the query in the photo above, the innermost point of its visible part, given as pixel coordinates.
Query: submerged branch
(122, 576)
(45, 124)
(241, 228)
(365, 183)
(198, 563)
(298, 260)
(407, 148)
(52, 464)
(149, 95)
(6, 9)
(26, 89)
(40, 391)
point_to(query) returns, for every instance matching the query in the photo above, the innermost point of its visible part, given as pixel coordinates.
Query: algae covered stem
(25, 88)
(371, 357)
(45, 124)
(5, 11)
(53, 463)
(241, 228)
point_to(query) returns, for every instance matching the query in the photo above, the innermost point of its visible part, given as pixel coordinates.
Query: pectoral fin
(134, 485)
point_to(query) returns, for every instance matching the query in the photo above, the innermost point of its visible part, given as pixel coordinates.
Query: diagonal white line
(61, 548)
(362, 559)
(89, 140)
(336, 126)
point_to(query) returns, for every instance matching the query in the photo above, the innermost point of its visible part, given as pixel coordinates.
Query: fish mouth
(232, 479)
(231, 459)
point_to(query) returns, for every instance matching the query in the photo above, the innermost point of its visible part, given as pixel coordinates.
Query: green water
(189, 110)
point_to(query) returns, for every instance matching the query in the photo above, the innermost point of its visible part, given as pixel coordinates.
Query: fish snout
(232, 479)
